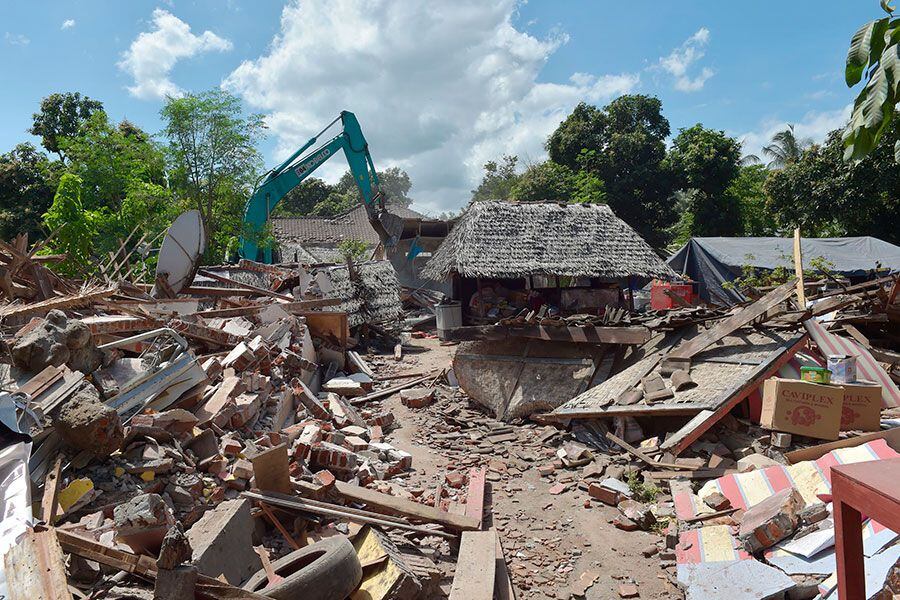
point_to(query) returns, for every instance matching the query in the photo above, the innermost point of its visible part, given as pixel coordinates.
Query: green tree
(28, 183)
(60, 116)
(336, 203)
(552, 182)
(706, 161)
(108, 159)
(624, 147)
(498, 181)
(76, 227)
(303, 198)
(875, 53)
(785, 148)
(748, 188)
(824, 195)
(213, 157)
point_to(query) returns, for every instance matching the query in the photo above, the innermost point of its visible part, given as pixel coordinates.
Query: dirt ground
(551, 542)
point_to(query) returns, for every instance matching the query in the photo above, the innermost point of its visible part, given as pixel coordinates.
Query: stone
(751, 462)
(86, 423)
(222, 542)
(814, 513)
(175, 550)
(780, 440)
(455, 479)
(177, 583)
(143, 522)
(56, 341)
(717, 501)
(650, 550)
(638, 513)
(770, 521)
(628, 590)
(417, 397)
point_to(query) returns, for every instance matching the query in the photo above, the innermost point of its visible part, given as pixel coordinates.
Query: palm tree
(785, 148)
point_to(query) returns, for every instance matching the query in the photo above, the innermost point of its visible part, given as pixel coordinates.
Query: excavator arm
(289, 174)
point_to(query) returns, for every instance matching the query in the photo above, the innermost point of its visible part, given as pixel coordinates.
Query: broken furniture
(868, 488)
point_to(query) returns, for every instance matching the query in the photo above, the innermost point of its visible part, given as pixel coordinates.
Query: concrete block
(179, 583)
(223, 544)
(770, 521)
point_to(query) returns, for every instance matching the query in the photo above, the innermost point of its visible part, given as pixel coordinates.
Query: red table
(869, 488)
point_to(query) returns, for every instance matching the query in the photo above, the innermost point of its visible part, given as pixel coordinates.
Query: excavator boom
(289, 174)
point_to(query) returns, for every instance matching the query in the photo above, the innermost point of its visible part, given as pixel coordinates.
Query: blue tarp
(712, 261)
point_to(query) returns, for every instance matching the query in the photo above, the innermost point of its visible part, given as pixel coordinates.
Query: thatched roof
(322, 231)
(512, 240)
(374, 297)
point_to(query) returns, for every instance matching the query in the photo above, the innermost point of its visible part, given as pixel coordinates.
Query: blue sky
(439, 87)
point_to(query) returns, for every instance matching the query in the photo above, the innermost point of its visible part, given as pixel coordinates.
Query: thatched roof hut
(508, 240)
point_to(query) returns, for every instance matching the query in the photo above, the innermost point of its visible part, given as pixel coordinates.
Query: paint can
(842, 367)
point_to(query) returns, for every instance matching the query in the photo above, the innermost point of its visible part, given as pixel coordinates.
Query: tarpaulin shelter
(712, 261)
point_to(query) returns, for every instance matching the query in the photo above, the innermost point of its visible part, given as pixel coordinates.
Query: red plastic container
(660, 300)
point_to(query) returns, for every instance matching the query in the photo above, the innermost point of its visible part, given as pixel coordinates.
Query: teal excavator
(282, 179)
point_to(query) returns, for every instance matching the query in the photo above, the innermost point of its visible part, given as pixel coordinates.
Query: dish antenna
(179, 256)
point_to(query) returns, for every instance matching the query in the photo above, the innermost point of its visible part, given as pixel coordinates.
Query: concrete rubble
(218, 433)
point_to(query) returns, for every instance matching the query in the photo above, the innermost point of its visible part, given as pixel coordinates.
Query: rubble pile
(248, 438)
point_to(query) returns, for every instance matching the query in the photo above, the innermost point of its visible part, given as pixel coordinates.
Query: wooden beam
(405, 508)
(682, 355)
(891, 436)
(474, 577)
(253, 309)
(643, 457)
(35, 568)
(798, 269)
(51, 491)
(632, 335)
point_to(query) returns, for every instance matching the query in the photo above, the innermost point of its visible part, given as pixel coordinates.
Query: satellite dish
(179, 256)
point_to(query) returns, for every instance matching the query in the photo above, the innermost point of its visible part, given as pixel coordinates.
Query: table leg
(849, 550)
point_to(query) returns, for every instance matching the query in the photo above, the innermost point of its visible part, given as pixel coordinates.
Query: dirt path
(550, 541)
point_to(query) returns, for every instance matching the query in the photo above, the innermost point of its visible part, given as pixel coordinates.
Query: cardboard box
(862, 406)
(801, 407)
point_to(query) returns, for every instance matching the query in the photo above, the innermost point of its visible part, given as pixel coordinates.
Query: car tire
(326, 570)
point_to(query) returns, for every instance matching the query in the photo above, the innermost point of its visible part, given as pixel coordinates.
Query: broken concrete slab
(143, 522)
(771, 520)
(57, 340)
(222, 542)
(86, 423)
(732, 580)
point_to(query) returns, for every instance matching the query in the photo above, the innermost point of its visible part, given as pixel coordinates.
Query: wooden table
(869, 488)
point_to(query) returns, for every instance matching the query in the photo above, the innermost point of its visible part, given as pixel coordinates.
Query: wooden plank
(405, 508)
(242, 311)
(39, 383)
(271, 470)
(643, 457)
(798, 269)
(503, 587)
(695, 474)
(776, 359)
(475, 494)
(635, 334)
(891, 436)
(685, 352)
(474, 577)
(51, 491)
(327, 324)
(246, 286)
(35, 568)
(391, 390)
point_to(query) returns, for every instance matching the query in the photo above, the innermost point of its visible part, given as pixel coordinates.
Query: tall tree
(302, 199)
(498, 181)
(28, 182)
(875, 53)
(748, 189)
(785, 148)
(623, 146)
(60, 116)
(707, 161)
(552, 182)
(823, 195)
(213, 155)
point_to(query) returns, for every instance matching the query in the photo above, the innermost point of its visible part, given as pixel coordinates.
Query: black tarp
(711, 261)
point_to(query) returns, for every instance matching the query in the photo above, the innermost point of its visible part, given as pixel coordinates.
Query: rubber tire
(333, 573)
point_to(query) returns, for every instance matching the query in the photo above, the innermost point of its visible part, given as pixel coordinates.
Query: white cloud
(153, 54)
(679, 62)
(68, 24)
(814, 126)
(16, 39)
(439, 88)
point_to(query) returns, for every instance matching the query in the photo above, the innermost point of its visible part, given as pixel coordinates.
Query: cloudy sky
(439, 87)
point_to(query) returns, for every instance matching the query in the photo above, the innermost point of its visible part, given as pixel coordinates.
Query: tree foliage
(498, 181)
(874, 53)
(213, 157)
(60, 116)
(76, 227)
(551, 182)
(785, 148)
(28, 182)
